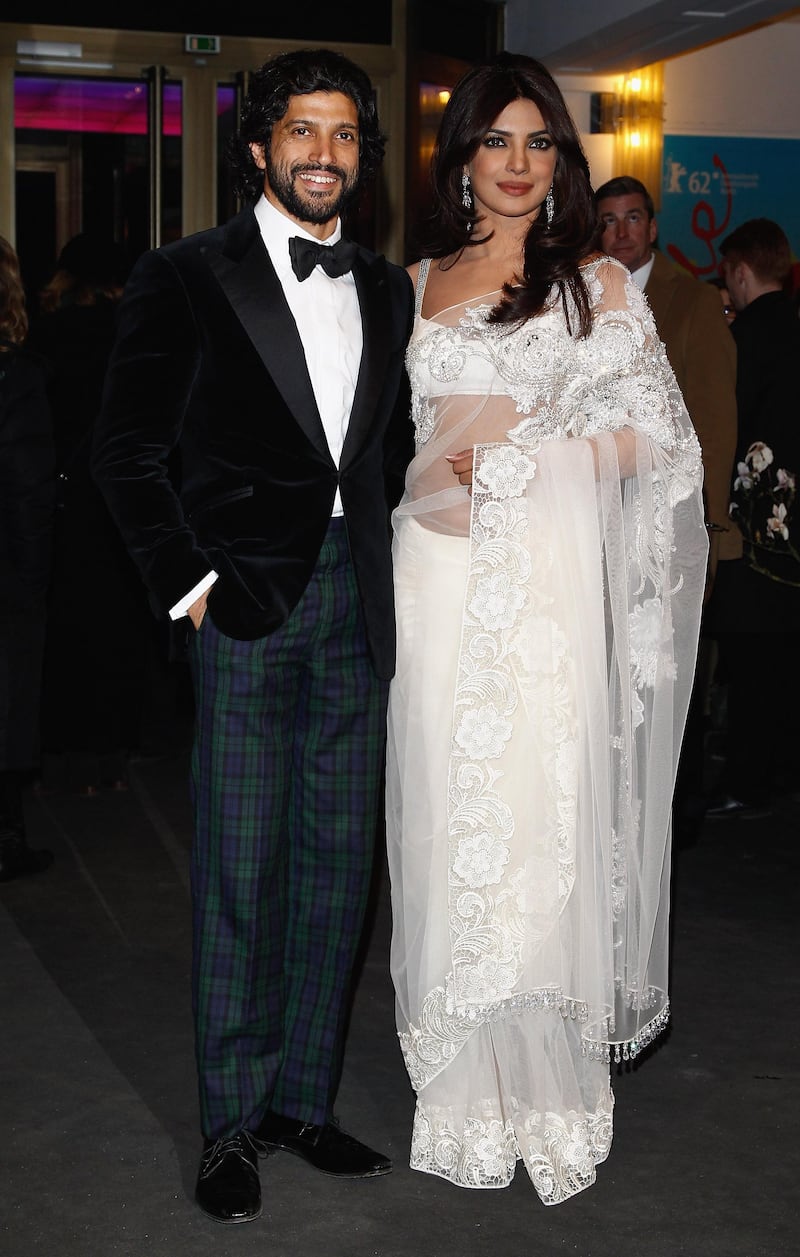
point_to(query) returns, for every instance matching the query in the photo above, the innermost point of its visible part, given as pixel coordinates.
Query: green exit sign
(201, 43)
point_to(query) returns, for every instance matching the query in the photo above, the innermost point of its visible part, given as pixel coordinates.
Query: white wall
(599, 149)
(746, 86)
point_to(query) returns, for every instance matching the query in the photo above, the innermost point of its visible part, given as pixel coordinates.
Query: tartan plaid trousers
(286, 777)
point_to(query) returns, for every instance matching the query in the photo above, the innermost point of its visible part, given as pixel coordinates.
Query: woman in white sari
(550, 560)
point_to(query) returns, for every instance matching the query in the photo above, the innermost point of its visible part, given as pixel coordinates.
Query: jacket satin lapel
(373, 297)
(248, 279)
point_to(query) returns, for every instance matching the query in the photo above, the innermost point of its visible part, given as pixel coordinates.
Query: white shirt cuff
(183, 606)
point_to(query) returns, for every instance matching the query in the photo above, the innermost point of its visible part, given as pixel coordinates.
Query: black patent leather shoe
(328, 1148)
(228, 1187)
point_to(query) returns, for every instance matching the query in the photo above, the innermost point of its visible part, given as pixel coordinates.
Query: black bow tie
(335, 259)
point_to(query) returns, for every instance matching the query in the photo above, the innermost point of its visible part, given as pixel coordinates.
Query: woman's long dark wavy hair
(552, 253)
(13, 315)
(298, 74)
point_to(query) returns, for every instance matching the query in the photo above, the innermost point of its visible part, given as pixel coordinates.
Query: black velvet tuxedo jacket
(209, 366)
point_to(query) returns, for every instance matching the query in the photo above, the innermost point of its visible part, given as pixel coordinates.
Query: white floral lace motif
(561, 1153)
(562, 385)
(488, 925)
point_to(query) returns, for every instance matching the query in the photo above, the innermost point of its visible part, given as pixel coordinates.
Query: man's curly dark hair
(298, 74)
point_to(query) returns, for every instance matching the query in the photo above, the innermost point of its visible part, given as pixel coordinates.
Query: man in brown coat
(702, 352)
(699, 344)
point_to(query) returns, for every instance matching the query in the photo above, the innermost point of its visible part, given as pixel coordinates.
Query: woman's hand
(462, 464)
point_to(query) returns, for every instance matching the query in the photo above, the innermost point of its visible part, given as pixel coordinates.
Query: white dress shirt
(641, 276)
(328, 318)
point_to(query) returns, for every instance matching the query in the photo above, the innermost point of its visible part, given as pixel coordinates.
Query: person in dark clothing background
(26, 504)
(98, 625)
(755, 608)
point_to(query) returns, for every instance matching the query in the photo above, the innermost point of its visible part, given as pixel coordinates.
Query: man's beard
(304, 205)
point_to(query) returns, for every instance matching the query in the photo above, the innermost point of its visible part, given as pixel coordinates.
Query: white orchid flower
(759, 456)
(777, 524)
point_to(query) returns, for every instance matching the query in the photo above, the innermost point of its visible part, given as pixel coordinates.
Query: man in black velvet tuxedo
(269, 353)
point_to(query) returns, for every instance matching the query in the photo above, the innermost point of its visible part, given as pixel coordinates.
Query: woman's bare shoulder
(459, 280)
(413, 271)
(591, 258)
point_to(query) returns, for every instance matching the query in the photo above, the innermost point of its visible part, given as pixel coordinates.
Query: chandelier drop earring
(549, 207)
(466, 193)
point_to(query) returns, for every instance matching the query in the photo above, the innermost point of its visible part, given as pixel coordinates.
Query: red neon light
(109, 106)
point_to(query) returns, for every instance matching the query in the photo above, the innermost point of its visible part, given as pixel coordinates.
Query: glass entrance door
(87, 161)
(78, 129)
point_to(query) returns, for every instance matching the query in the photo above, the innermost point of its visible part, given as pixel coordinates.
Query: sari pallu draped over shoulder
(548, 643)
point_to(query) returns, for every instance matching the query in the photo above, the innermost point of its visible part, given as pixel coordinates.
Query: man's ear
(653, 231)
(258, 155)
(740, 274)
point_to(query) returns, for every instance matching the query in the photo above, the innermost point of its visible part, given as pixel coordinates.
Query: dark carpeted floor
(97, 1090)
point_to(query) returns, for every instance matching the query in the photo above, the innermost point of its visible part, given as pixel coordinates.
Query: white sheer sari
(547, 634)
